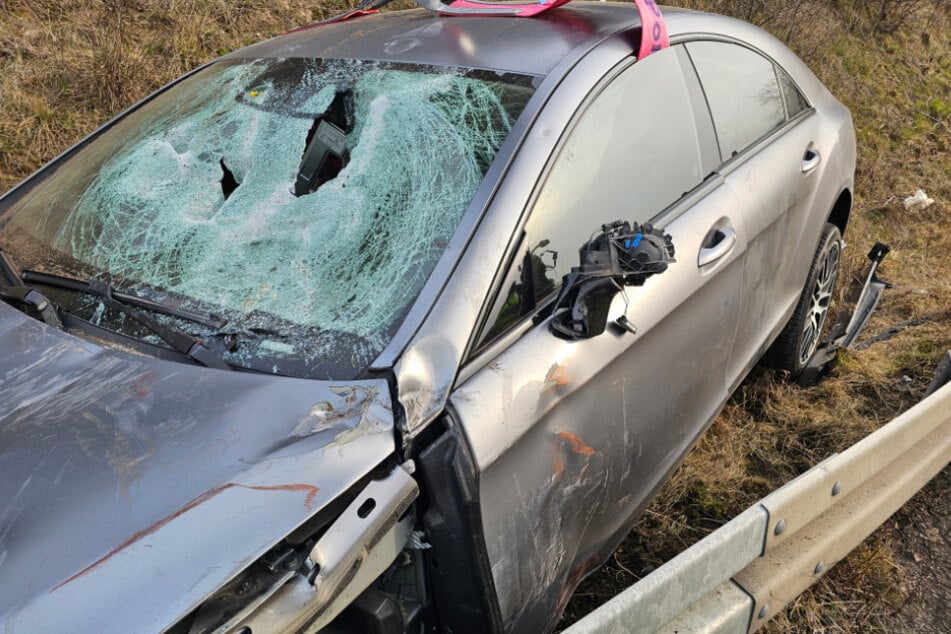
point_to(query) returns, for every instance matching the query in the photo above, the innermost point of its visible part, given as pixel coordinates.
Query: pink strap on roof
(653, 30)
(498, 8)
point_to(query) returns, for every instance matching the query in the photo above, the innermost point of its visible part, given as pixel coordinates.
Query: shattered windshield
(305, 198)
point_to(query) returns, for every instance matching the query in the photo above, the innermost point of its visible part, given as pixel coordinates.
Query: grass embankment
(67, 66)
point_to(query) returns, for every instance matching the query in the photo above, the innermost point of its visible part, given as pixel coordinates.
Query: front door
(571, 439)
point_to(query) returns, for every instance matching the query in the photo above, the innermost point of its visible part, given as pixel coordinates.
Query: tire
(801, 336)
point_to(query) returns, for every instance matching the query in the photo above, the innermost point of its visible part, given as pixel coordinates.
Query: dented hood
(131, 487)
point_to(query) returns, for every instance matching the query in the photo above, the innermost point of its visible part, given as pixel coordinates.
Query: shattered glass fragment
(194, 194)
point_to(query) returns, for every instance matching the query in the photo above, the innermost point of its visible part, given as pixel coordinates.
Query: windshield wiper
(19, 291)
(82, 286)
(180, 342)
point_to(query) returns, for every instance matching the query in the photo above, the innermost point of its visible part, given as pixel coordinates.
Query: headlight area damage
(126, 475)
(285, 592)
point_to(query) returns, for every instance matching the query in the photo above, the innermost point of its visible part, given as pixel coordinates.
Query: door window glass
(633, 152)
(742, 91)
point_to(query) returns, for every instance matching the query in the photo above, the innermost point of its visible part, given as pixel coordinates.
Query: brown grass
(67, 66)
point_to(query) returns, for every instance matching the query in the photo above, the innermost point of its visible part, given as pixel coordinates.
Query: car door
(571, 439)
(770, 153)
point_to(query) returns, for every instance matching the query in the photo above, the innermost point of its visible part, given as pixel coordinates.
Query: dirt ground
(923, 531)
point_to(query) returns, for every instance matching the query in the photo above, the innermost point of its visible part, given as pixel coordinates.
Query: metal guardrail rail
(738, 577)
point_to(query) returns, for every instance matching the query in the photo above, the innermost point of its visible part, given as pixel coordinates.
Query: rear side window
(742, 91)
(795, 102)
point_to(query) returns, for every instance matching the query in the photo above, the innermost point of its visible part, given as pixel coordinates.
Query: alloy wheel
(819, 302)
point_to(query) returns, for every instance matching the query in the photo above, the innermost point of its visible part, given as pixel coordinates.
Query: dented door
(572, 439)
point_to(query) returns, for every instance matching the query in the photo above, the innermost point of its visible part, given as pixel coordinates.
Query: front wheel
(799, 339)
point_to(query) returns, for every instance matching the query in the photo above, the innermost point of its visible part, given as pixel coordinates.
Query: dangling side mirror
(587, 314)
(620, 255)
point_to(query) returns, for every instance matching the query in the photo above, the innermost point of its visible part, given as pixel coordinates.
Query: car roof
(531, 46)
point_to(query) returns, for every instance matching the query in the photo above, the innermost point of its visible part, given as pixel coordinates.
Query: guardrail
(739, 576)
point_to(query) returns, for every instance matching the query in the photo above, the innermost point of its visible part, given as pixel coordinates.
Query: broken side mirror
(619, 255)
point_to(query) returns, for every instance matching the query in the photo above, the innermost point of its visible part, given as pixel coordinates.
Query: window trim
(729, 164)
(782, 89)
(756, 141)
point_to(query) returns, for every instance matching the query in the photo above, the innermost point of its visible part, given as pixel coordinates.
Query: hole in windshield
(228, 182)
(307, 198)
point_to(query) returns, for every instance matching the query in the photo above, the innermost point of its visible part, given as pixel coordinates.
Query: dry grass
(67, 66)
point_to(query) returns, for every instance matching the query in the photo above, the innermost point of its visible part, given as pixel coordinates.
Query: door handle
(718, 242)
(811, 159)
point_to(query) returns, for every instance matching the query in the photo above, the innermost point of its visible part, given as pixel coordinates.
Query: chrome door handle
(811, 159)
(720, 241)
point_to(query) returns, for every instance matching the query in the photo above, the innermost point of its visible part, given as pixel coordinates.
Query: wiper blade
(72, 284)
(186, 345)
(8, 271)
(34, 298)
(20, 292)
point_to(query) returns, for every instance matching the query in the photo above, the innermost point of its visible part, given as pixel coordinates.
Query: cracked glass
(306, 201)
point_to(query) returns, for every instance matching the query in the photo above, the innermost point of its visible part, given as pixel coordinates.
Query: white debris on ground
(919, 202)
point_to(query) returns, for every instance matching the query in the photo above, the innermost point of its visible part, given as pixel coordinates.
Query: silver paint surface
(126, 476)
(572, 440)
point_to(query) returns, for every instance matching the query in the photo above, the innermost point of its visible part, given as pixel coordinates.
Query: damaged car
(398, 323)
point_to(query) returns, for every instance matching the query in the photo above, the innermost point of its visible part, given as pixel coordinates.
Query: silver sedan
(399, 321)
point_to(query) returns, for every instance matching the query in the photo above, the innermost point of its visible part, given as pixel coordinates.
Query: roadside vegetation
(66, 66)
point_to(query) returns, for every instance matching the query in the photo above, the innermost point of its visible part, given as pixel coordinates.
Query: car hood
(131, 488)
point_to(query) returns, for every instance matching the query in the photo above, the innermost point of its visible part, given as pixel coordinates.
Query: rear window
(795, 102)
(308, 199)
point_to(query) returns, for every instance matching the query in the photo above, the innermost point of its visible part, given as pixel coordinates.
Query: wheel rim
(819, 301)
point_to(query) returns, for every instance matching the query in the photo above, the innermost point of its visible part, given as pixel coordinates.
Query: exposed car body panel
(115, 466)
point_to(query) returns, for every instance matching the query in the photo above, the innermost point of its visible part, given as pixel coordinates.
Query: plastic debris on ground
(919, 202)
